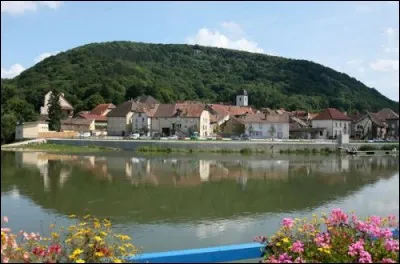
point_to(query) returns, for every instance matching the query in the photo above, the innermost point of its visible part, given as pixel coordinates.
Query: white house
(334, 121)
(259, 125)
(142, 117)
(186, 118)
(119, 120)
(30, 130)
(65, 105)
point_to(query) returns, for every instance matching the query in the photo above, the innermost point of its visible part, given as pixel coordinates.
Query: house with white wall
(119, 119)
(142, 117)
(30, 130)
(259, 125)
(181, 118)
(334, 121)
(66, 107)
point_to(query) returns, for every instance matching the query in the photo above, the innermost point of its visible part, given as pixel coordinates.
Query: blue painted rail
(208, 255)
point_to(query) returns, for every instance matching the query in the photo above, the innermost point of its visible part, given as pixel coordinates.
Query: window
(321, 133)
(142, 119)
(140, 114)
(336, 124)
(178, 125)
(340, 124)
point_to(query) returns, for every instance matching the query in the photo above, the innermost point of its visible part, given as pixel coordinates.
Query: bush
(390, 147)
(90, 241)
(333, 239)
(367, 148)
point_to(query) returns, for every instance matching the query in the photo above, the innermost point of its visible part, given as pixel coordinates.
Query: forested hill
(116, 71)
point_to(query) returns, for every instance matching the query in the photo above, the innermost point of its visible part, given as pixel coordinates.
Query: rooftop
(332, 114)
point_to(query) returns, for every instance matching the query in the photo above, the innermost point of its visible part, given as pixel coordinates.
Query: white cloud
(14, 70)
(19, 7)
(385, 65)
(214, 38)
(233, 28)
(44, 56)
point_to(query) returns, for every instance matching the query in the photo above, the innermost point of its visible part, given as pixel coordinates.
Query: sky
(360, 39)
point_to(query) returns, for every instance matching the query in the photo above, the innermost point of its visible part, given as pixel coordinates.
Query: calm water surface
(184, 201)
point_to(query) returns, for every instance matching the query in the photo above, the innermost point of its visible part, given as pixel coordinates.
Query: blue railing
(208, 255)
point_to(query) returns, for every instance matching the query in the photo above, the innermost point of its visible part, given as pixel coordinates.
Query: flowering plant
(89, 241)
(336, 238)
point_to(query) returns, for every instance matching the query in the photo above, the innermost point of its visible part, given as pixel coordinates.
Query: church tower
(242, 99)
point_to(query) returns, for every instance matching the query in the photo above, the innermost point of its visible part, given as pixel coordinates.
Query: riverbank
(51, 147)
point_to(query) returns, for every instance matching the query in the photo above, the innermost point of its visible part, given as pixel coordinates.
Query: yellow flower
(82, 224)
(122, 249)
(72, 216)
(97, 238)
(96, 225)
(300, 229)
(327, 251)
(91, 245)
(77, 252)
(99, 254)
(86, 216)
(55, 235)
(103, 233)
(79, 261)
(107, 224)
(285, 240)
(52, 225)
(116, 260)
(71, 228)
(320, 249)
(278, 244)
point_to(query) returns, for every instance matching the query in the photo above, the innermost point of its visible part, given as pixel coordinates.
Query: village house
(221, 113)
(79, 125)
(368, 126)
(259, 125)
(66, 107)
(141, 119)
(99, 115)
(334, 121)
(119, 120)
(300, 129)
(30, 130)
(182, 119)
(392, 121)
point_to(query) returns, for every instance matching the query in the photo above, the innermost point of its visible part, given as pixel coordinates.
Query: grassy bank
(306, 151)
(371, 147)
(61, 148)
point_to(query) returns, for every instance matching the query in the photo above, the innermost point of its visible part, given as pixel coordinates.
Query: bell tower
(242, 98)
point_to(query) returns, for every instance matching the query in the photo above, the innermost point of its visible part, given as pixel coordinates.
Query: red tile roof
(262, 118)
(332, 114)
(387, 113)
(93, 117)
(182, 110)
(232, 110)
(101, 109)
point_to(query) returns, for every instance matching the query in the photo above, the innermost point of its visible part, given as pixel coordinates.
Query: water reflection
(186, 188)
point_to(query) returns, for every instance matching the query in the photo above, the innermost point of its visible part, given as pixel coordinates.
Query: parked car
(194, 136)
(235, 138)
(245, 137)
(219, 137)
(156, 136)
(174, 137)
(85, 134)
(144, 137)
(134, 136)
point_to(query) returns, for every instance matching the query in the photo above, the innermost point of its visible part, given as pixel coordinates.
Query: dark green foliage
(390, 147)
(8, 123)
(55, 111)
(93, 101)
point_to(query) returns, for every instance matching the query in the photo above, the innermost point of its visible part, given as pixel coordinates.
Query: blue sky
(357, 38)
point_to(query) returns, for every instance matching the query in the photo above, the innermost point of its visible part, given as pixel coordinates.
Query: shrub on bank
(89, 241)
(339, 238)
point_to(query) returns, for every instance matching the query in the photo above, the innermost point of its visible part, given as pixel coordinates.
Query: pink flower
(392, 221)
(272, 259)
(298, 247)
(26, 256)
(392, 245)
(385, 233)
(365, 257)
(337, 217)
(388, 260)
(376, 220)
(288, 222)
(356, 248)
(5, 219)
(5, 260)
(299, 260)
(361, 226)
(285, 258)
(322, 239)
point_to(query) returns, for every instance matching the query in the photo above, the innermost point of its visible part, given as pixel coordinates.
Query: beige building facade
(30, 130)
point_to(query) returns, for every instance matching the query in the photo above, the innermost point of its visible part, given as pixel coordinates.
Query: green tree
(93, 101)
(55, 111)
(8, 124)
(22, 110)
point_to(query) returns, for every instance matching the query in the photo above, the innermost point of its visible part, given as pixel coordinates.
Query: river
(173, 201)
